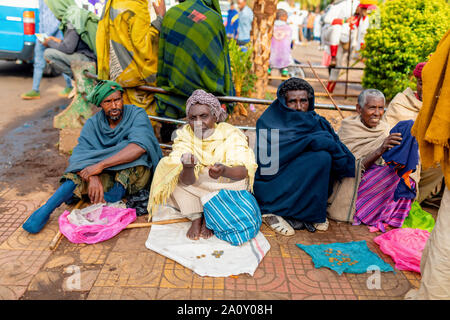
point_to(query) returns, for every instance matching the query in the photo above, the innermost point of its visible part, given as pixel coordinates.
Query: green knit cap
(103, 89)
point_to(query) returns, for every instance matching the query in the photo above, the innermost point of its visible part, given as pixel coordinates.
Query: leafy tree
(403, 33)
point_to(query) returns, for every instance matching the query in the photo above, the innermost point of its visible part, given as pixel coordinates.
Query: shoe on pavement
(278, 224)
(65, 93)
(31, 95)
(322, 226)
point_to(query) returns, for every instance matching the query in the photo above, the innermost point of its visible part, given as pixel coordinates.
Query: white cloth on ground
(207, 257)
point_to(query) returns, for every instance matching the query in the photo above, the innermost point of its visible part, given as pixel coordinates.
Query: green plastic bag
(419, 218)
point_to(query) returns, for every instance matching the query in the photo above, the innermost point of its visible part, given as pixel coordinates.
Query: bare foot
(205, 233)
(195, 229)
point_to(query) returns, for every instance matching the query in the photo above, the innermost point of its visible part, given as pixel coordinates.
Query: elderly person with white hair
(208, 175)
(382, 192)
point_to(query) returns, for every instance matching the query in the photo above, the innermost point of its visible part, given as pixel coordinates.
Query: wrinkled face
(297, 100)
(112, 105)
(372, 111)
(419, 88)
(201, 120)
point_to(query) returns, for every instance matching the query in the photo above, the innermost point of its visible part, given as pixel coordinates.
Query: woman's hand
(188, 160)
(394, 139)
(95, 190)
(217, 170)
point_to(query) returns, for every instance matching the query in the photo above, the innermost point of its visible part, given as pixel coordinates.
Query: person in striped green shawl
(193, 54)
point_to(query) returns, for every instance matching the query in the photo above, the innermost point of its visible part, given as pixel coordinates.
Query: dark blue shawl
(403, 158)
(98, 141)
(299, 133)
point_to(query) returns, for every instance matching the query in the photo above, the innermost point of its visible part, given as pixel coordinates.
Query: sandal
(322, 226)
(278, 224)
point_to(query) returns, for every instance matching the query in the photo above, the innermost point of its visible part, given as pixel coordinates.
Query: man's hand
(46, 40)
(160, 8)
(95, 190)
(93, 170)
(217, 170)
(394, 139)
(188, 160)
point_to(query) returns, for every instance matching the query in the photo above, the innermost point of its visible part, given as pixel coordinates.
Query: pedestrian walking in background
(49, 25)
(231, 27)
(245, 23)
(310, 26)
(80, 28)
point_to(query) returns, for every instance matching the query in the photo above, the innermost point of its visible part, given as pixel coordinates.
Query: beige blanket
(404, 106)
(359, 139)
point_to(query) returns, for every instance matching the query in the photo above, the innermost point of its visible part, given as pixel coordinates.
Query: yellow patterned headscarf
(227, 145)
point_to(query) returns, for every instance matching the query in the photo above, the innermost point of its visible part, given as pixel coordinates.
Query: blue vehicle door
(18, 23)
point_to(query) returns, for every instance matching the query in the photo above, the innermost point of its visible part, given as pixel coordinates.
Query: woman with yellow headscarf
(127, 47)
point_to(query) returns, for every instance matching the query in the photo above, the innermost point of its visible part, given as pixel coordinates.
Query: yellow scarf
(227, 145)
(127, 49)
(432, 126)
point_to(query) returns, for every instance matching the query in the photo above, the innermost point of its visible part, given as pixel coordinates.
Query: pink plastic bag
(116, 220)
(405, 246)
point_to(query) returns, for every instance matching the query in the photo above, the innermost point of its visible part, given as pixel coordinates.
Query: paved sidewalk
(123, 268)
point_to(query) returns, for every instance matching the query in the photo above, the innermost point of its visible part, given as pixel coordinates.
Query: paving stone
(80, 282)
(126, 269)
(122, 293)
(45, 280)
(59, 261)
(22, 240)
(13, 214)
(18, 267)
(11, 292)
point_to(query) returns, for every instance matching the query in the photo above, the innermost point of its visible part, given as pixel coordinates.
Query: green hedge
(404, 33)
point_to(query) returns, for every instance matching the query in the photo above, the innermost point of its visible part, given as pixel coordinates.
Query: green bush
(404, 33)
(241, 68)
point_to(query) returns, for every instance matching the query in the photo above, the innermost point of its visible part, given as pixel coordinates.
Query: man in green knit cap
(117, 152)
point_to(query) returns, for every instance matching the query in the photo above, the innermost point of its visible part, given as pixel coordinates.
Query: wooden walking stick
(148, 224)
(58, 236)
(326, 90)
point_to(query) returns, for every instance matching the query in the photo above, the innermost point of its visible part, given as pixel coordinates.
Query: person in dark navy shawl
(299, 158)
(117, 152)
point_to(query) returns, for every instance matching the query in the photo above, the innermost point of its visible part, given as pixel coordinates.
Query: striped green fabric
(193, 54)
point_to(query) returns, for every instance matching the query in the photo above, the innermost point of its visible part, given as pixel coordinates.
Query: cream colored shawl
(359, 139)
(404, 106)
(227, 145)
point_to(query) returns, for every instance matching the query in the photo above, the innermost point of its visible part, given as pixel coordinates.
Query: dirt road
(30, 165)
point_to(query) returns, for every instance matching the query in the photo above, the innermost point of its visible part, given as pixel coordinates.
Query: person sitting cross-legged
(115, 155)
(386, 158)
(208, 175)
(305, 157)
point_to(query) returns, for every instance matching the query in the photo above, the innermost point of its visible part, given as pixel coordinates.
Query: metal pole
(231, 99)
(349, 50)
